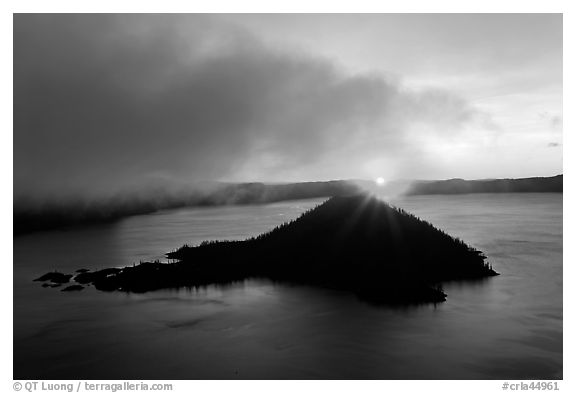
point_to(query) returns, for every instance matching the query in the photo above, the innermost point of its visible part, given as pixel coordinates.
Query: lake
(506, 327)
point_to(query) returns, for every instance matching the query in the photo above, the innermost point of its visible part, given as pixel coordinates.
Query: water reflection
(507, 327)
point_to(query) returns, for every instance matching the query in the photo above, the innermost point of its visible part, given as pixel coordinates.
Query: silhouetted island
(356, 243)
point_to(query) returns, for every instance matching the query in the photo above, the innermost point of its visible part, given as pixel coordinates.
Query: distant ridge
(356, 243)
(48, 215)
(460, 186)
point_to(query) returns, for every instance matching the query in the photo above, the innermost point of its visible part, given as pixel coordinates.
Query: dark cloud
(103, 103)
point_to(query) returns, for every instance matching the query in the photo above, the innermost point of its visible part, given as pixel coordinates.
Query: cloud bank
(104, 103)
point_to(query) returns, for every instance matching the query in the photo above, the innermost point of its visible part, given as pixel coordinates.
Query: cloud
(109, 102)
(554, 121)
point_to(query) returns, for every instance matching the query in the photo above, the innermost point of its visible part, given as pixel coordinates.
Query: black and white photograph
(288, 196)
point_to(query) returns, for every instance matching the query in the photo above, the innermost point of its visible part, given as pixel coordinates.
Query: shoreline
(348, 243)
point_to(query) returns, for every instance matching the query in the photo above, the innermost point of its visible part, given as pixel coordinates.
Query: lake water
(506, 327)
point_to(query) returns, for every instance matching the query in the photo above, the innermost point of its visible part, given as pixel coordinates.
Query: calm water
(508, 327)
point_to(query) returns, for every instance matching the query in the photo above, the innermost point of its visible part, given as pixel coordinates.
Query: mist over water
(506, 327)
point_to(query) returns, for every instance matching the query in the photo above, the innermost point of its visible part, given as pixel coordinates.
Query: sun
(380, 181)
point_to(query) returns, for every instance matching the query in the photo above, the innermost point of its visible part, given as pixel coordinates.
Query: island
(356, 243)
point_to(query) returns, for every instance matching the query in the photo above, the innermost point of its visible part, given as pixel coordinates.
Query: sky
(105, 103)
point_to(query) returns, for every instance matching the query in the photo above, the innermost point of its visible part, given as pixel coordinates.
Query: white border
(423, 6)
(302, 6)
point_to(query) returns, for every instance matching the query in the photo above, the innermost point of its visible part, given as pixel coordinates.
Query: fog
(108, 103)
